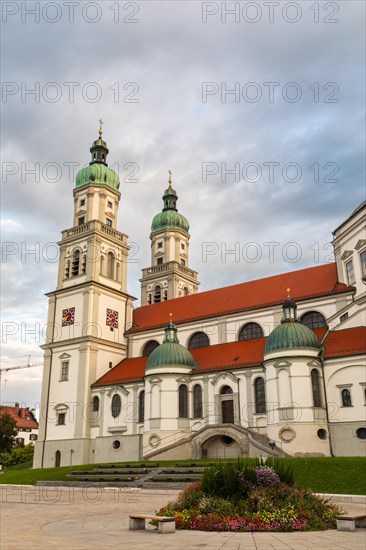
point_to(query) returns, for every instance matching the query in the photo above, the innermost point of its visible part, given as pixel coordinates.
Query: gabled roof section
(349, 341)
(23, 417)
(237, 355)
(307, 283)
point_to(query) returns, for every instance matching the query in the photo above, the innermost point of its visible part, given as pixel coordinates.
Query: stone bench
(165, 524)
(349, 523)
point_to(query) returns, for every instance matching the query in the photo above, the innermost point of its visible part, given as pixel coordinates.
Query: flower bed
(235, 497)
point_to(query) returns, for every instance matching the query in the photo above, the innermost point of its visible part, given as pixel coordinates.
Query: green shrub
(18, 455)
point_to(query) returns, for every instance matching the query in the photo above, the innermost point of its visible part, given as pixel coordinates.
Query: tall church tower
(88, 314)
(169, 275)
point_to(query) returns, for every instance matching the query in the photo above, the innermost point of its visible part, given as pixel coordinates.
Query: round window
(154, 441)
(322, 434)
(287, 435)
(116, 444)
(361, 433)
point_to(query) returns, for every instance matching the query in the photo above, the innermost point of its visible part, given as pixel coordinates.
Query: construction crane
(15, 367)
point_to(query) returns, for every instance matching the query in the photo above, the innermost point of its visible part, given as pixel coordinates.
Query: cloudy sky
(258, 112)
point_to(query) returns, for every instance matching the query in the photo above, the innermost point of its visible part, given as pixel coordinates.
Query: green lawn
(343, 475)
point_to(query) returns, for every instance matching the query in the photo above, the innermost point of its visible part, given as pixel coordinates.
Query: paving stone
(34, 519)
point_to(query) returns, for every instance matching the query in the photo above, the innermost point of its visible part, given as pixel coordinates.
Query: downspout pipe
(49, 383)
(321, 358)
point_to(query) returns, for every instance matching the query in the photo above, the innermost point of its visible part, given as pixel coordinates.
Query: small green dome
(291, 335)
(169, 219)
(171, 353)
(97, 173)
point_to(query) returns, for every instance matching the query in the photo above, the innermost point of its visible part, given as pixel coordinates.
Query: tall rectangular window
(82, 220)
(350, 272)
(61, 419)
(64, 371)
(363, 263)
(108, 222)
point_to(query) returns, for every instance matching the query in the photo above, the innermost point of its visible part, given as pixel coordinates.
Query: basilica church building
(274, 366)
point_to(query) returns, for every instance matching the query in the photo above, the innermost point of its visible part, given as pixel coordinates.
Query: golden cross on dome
(288, 293)
(170, 176)
(101, 126)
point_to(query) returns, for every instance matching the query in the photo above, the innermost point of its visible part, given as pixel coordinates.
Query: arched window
(314, 319)
(315, 386)
(197, 401)
(57, 459)
(141, 417)
(185, 291)
(260, 396)
(157, 294)
(183, 401)
(198, 340)
(75, 263)
(116, 405)
(110, 265)
(251, 331)
(149, 347)
(95, 403)
(225, 390)
(346, 398)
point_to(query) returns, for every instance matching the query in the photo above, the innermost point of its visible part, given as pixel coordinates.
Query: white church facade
(271, 366)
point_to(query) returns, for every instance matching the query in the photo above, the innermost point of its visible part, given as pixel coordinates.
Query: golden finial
(170, 315)
(288, 293)
(100, 127)
(170, 177)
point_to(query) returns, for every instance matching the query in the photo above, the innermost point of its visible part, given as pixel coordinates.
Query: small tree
(8, 432)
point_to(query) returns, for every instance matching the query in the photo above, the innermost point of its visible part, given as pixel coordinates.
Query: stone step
(104, 477)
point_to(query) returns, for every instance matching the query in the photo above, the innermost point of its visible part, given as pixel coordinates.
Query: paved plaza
(37, 518)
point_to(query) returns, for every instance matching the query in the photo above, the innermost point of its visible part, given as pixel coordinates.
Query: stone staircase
(147, 476)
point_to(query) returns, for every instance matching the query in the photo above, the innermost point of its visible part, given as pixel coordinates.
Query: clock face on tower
(112, 318)
(68, 316)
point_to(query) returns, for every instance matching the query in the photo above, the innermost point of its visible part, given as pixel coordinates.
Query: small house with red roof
(27, 424)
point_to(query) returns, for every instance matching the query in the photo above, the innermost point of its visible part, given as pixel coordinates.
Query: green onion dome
(291, 333)
(98, 171)
(169, 218)
(170, 353)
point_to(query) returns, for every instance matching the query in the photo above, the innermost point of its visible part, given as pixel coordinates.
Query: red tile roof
(23, 417)
(234, 355)
(349, 341)
(306, 283)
